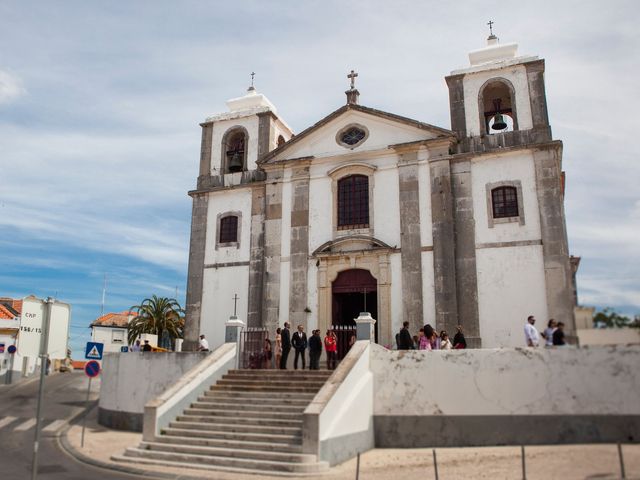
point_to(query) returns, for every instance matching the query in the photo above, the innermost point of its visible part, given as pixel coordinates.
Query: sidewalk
(579, 462)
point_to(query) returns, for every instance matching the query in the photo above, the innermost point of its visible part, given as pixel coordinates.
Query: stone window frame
(347, 127)
(223, 155)
(219, 220)
(339, 173)
(517, 184)
(514, 112)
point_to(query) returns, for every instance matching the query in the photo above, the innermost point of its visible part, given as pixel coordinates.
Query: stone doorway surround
(361, 252)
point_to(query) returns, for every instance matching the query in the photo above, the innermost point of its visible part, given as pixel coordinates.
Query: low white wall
(130, 380)
(609, 336)
(501, 396)
(339, 421)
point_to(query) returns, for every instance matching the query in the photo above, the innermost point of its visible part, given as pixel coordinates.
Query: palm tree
(157, 315)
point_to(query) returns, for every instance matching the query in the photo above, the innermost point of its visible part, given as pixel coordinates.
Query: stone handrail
(164, 408)
(338, 423)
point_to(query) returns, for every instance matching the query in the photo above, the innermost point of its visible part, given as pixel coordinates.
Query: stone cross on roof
(352, 76)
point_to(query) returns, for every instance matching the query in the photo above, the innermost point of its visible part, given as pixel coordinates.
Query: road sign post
(92, 369)
(44, 342)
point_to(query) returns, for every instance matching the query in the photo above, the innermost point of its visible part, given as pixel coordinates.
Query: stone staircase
(249, 421)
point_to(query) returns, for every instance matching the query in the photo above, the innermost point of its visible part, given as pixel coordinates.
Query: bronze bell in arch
(498, 119)
(235, 164)
(498, 122)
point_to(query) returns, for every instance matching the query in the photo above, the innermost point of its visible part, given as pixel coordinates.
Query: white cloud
(11, 87)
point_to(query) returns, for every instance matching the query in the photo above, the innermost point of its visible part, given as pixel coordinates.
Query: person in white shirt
(530, 333)
(204, 345)
(548, 333)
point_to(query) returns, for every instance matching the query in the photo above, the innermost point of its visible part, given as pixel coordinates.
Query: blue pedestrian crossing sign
(94, 351)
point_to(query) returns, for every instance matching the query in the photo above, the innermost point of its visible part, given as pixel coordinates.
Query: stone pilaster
(196, 271)
(256, 256)
(456, 104)
(265, 121)
(444, 265)
(465, 251)
(538, 97)
(272, 248)
(557, 266)
(410, 252)
(299, 251)
(205, 154)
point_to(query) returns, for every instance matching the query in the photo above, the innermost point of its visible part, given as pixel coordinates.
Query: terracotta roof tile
(5, 313)
(120, 319)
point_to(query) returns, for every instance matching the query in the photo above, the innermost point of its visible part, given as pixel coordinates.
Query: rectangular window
(229, 229)
(505, 202)
(353, 202)
(117, 336)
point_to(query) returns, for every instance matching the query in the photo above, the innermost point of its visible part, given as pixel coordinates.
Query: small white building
(10, 312)
(111, 329)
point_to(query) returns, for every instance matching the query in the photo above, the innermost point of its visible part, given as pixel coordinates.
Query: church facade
(371, 211)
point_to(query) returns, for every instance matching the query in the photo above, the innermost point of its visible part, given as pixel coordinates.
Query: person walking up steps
(286, 346)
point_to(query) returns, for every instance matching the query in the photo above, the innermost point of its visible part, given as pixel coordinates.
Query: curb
(66, 447)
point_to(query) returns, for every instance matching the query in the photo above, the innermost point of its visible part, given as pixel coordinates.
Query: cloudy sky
(100, 104)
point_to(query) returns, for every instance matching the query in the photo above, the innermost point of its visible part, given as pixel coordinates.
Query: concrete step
(287, 439)
(230, 452)
(246, 416)
(272, 377)
(267, 422)
(250, 382)
(246, 463)
(267, 398)
(319, 373)
(210, 463)
(267, 445)
(237, 428)
(255, 408)
(265, 388)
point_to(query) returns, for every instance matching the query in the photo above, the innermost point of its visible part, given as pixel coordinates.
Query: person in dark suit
(405, 342)
(315, 350)
(286, 346)
(299, 342)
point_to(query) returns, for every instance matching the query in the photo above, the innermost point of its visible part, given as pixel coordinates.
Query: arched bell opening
(234, 150)
(497, 107)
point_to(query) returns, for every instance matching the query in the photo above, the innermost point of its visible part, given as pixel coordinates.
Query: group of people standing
(553, 335)
(285, 341)
(429, 339)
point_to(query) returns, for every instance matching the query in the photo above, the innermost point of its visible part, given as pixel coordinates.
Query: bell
(235, 164)
(498, 122)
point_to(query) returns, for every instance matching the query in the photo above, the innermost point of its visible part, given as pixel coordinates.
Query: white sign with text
(31, 325)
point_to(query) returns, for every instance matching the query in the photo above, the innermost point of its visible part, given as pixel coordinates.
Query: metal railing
(253, 354)
(346, 336)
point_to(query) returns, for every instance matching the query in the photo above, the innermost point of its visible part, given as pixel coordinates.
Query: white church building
(424, 224)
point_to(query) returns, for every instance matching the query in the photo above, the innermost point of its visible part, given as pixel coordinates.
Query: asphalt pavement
(64, 399)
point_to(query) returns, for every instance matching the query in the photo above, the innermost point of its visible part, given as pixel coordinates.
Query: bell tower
(499, 99)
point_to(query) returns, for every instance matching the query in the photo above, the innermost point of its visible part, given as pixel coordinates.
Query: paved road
(65, 396)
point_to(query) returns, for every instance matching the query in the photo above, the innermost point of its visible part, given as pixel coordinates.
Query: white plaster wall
(511, 286)
(131, 380)
(424, 185)
(386, 204)
(382, 132)
(221, 127)
(219, 287)
(428, 290)
(595, 380)
(104, 335)
(285, 282)
(395, 265)
(609, 336)
(320, 207)
(237, 200)
(312, 296)
(517, 75)
(512, 166)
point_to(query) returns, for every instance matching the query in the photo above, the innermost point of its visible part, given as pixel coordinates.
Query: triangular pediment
(383, 129)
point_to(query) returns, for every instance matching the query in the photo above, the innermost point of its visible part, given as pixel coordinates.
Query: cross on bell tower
(491, 23)
(352, 93)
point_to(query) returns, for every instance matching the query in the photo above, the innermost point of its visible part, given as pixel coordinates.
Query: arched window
(281, 140)
(234, 146)
(228, 229)
(504, 202)
(353, 202)
(497, 107)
